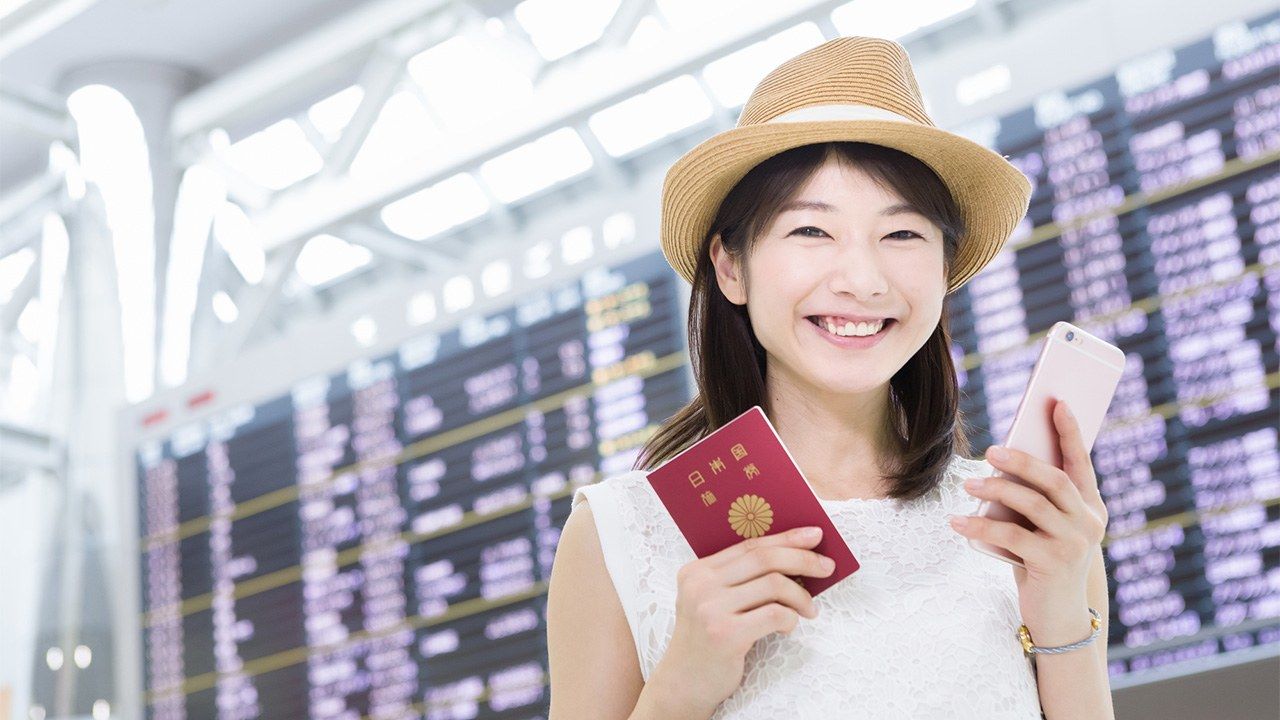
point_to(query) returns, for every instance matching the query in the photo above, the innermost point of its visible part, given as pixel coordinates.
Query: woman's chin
(845, 386)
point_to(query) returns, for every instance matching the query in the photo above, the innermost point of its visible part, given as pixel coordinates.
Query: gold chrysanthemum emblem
(750, 516)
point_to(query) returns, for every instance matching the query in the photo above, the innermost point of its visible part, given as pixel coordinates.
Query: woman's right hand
(727, 601)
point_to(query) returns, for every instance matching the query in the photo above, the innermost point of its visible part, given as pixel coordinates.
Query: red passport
(740, 482)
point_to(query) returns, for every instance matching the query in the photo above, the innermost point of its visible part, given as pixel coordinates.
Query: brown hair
(729, 362)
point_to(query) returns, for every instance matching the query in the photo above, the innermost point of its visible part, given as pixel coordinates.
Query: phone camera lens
(1070, 336)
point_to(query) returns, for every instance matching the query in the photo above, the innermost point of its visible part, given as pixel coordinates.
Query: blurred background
(313, 314)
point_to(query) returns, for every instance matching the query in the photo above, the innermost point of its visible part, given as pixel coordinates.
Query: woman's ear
(728, 274)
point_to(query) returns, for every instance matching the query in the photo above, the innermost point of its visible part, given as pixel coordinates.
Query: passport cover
(741, 482)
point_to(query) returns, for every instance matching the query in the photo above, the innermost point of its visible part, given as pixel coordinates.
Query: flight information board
(1155, 224)
(377, 542)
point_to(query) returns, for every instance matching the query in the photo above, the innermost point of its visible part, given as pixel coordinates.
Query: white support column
(90, 370)
(153, 89)
(90, 367)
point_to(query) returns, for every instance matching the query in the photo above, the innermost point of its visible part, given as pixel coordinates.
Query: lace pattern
(925, 627)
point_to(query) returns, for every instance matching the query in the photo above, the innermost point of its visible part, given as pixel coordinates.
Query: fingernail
(997, 453)
(828, 563)
(958, 520)
(810, 532)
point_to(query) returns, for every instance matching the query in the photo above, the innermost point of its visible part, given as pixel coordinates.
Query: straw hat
(847, 89)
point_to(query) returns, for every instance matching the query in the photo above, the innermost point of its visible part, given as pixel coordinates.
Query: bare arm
(1076, 684)
(725, 602)
(595, 672)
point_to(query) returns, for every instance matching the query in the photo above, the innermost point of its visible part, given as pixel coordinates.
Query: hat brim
(992, 194)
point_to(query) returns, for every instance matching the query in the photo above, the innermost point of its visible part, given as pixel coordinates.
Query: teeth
(861, 329)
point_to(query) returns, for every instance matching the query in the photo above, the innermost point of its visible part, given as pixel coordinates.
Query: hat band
(839, 112)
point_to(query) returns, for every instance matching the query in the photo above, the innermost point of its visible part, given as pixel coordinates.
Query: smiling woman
(822, 238)
(838, 232)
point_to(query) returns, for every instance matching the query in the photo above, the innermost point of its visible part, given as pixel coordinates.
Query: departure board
(376, 542)
(1155, 224)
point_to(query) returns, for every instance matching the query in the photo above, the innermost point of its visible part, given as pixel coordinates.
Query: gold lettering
(708, 498)
(751, 470)
(695, 478)
(738, 451)
(717, 465)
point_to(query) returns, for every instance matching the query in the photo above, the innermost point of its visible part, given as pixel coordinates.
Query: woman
(835, 200)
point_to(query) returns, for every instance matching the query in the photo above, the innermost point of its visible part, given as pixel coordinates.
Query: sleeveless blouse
(924, 628)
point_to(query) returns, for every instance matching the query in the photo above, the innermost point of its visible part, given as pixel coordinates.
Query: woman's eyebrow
(807, 205)
(900, 209)
(897, 209)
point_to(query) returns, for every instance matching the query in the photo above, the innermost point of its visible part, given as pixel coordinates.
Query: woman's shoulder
(621, 482)
(965, 468)
(631, 520)
(961, 468)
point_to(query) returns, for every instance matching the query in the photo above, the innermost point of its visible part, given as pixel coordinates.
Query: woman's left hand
(1071, 521)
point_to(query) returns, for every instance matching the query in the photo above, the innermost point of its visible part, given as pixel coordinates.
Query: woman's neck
(840, 442)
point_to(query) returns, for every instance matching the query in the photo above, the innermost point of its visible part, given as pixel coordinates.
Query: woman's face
(839, 248)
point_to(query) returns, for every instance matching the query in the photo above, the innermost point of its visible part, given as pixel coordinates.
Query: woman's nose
(859, 270)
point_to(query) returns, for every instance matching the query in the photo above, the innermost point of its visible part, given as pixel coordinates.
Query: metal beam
(623, 24)
(993, 17)
(217, 273)
(724, 117)
(307, 301)
(34, 192)
(22, 294)
(257, 300)
(425, 255)
(26, 231)
(582, 89)
(500, 214)
(15, 344)
(379, 79)
(35, 19)
(612, 175)
(43, 113)
(28, 449)
(298, 69)
(245, 191)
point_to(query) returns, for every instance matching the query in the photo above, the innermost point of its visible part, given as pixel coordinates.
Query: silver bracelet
(1024, 636)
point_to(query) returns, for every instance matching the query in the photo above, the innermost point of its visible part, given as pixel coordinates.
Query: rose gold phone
(1075, 367)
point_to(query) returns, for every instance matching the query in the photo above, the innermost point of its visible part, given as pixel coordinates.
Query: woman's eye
(803, 231)
(807, 227)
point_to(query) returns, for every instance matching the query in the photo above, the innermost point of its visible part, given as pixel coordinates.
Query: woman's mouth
(851, 341)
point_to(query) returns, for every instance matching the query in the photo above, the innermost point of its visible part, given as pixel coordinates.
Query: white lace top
(924, 629)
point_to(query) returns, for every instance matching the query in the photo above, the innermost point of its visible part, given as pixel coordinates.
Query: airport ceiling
(41, 41)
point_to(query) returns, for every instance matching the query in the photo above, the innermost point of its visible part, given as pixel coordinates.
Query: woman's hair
(924, 419)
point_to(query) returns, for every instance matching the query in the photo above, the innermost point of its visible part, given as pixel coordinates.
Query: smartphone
(1077, 368)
